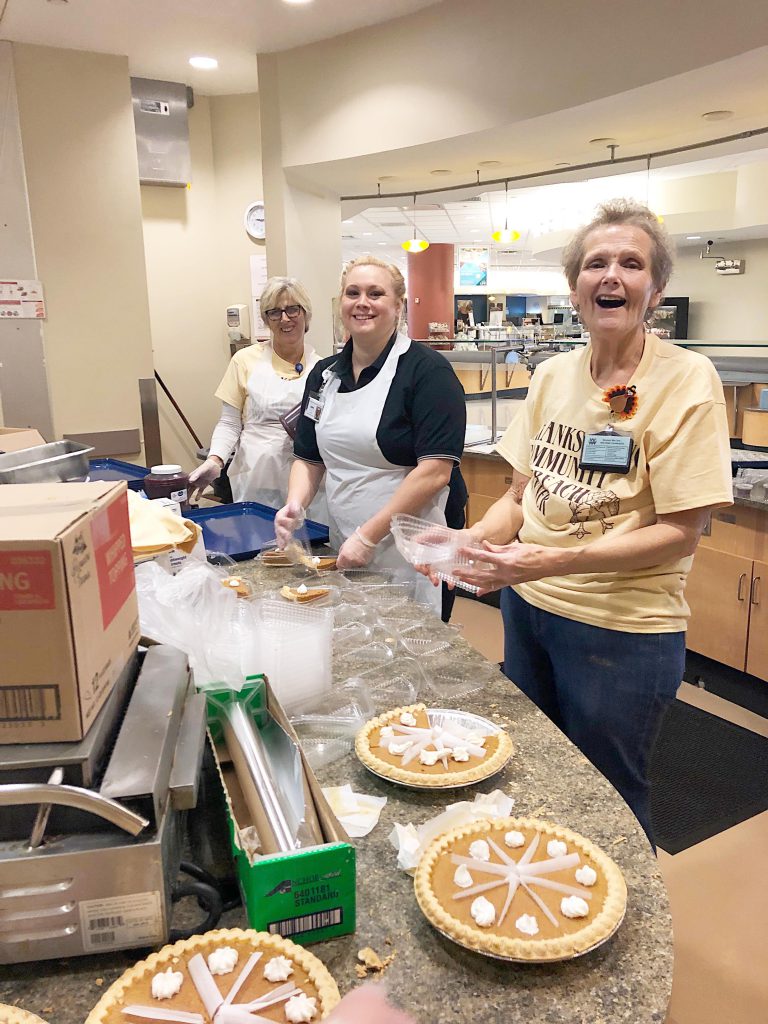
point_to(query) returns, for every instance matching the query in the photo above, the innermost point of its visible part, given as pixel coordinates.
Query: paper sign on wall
(258, 281)
(22, 299)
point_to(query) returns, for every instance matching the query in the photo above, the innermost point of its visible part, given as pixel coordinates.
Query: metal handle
(754, 591)
(740, 591)
(72, 796)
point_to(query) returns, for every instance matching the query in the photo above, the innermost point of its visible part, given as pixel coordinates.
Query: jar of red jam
(167, 482)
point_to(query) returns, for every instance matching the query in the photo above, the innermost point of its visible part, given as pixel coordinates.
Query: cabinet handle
(754, 591)
(740, 591)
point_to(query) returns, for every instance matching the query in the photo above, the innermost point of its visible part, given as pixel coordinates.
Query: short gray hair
(287, 290)
(624, 211)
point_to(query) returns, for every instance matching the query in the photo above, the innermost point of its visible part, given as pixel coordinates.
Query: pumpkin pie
(520, 889)
(240, 586)
(202, 978)
(418, 747)
(303, 594)
(14, 1015)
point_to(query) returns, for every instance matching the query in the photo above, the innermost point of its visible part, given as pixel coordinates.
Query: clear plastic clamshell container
(421, 542)
(327, 729)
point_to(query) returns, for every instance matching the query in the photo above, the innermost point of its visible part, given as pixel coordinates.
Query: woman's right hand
(288, 519)
(205, 474)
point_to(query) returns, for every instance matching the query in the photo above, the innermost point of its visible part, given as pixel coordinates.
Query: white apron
(359, 480)
(262, 462)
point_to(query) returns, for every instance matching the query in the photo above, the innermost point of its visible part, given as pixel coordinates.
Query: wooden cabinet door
(757, 646)
(718, 592)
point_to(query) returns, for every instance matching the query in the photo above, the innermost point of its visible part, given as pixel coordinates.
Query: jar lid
(166, 470)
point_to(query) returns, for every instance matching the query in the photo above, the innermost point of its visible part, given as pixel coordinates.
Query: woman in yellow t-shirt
(620, 451)
(262, 383)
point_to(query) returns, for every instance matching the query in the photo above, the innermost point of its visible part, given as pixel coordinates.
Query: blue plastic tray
(243, 528)
(114, 469)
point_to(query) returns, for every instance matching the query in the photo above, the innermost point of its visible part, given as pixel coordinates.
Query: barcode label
(307, 922)
(97, 924)
(122, 921)
(29, 704)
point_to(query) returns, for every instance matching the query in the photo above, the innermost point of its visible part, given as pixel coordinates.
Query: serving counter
(627, 979)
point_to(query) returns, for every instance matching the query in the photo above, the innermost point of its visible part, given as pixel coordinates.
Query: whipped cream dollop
(387, 732)
(460, 754)
(166, 984)
(480, 850)
(573, 906)
(428, 757)
(586, 875)
(527, 924)
(222, 961)
(514, 839)
(407, 718)
(301, 589)
(315, 559)
(300, 1008)
(400, 748)
(462, 878)
(279, 968)
(483, 912)
(556, 848)
(476, 737)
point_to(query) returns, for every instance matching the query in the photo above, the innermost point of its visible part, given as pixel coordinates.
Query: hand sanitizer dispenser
(238, 323)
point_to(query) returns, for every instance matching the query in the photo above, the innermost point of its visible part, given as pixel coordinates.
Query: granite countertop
(628, 979)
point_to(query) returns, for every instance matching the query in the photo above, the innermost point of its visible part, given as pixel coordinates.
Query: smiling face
(288, 332)
(614, 287)
(369, 307)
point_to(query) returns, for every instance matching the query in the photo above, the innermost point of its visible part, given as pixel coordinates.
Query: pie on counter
(303, 594)
(432, 748)
(240, 586)
(14, 1015)
(225, 975)
(520, 889)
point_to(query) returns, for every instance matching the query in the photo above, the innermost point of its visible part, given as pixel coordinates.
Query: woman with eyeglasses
(262, 383)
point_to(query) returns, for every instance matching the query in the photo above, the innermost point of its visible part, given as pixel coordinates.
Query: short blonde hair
(287, 290)
(398, 281)
(624, 211)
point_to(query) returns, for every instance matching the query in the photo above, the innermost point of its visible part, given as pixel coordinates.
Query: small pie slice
(240, 586)
(15, 1015)
(278, 559)
(304, 594)
(263, 970)
(520, 889)
(418, 747)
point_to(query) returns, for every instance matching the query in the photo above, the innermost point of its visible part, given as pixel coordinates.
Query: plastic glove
(368, 1003)
(354, 554)
(205, 474)
(288, 519)
(459, 538)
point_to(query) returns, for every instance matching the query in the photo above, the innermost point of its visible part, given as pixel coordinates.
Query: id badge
(606, 450)
(314, 407)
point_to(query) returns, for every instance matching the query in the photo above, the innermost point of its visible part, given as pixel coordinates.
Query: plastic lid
(166, 470)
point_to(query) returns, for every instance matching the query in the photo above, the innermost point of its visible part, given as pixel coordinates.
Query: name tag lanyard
(610, 450)
(316, 399)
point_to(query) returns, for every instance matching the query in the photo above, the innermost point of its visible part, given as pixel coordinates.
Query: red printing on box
(114, 559)
(26, 581)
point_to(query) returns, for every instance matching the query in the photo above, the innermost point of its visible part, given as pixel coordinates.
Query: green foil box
(307, 895)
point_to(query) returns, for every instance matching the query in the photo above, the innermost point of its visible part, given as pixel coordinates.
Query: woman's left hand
(501, 565)
(354, 554)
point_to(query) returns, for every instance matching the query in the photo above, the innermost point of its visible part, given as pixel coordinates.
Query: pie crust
(133, 987)
(13, 1015)
(436, 891)
(498, 748)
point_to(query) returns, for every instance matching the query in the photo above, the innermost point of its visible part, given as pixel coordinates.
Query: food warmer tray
(243, 528)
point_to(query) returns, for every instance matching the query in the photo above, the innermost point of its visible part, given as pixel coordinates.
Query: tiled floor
(717, 890)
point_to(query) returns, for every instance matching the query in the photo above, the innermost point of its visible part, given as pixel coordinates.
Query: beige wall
(197, 254)
(82, 180)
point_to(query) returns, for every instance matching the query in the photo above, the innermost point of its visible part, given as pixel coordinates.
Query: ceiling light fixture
(717, 115)
(415, 244)
(603, 140)
(204, 63)
(692, 238)
(489, 163)
(441, 170)
(506, 235)
(297, 3)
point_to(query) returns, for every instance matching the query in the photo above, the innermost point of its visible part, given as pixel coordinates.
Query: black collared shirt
(424, 415)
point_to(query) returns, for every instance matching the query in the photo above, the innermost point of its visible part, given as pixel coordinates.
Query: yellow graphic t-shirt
(680, 459)
(234, 384)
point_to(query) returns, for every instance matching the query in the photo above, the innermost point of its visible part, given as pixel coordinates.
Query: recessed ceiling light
(297, 2)
(204, 63)
(693, 238)
(382, 243)
(441, 170)
(387, 177)
(349, 221)
(603, 140)
(563, 163)
(367, 233)
(717, 115)
(489, 163)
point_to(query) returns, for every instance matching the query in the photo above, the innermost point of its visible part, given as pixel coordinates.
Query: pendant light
(506, 235)
(415, 244)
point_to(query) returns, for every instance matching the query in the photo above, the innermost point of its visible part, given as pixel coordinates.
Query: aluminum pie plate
(528, 959)
(438, 716)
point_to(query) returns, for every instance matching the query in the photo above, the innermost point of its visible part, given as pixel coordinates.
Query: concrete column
(430, 289)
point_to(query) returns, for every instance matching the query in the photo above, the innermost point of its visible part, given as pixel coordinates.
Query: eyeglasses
(276, 315)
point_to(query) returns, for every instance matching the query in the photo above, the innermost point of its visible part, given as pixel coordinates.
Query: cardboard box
(307, 895)
(15, 439)
(68, 610)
